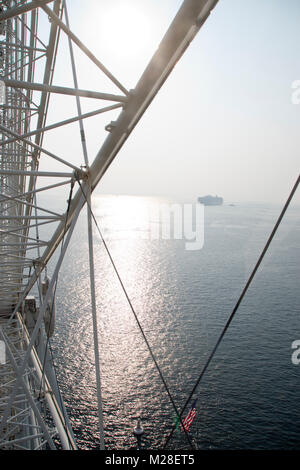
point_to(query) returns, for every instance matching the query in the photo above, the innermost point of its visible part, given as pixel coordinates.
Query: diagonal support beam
(81, 46)
(63, 123)
(38, 147)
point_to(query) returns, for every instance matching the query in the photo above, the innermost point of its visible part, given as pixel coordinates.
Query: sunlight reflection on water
(182, 300)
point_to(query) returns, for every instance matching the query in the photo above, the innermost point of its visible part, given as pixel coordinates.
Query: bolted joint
(110, 127)
(37, 263)
(80, 175)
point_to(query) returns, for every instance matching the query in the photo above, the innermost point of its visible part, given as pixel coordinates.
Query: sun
(125, 26)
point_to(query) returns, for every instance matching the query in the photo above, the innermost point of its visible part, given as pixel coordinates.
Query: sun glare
(125, 26)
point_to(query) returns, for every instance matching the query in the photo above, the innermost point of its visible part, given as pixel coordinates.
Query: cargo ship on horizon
(210, 200)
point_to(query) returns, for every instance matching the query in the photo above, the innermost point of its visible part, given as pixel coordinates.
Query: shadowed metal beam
(55, 174)
(62, 90)
(12, 12)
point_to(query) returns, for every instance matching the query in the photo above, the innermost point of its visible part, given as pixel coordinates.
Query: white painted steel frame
(19, 173)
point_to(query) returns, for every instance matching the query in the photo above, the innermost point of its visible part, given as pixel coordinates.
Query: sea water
(249, 396)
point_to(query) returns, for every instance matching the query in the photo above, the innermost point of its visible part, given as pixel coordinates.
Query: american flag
(187, 422)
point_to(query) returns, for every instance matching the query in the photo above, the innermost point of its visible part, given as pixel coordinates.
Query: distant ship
(211, 200)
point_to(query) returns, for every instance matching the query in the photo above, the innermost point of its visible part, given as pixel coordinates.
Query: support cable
(178, 416)
(90, 243)
(271, 236)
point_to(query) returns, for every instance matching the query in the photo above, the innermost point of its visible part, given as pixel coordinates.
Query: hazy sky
(223, 123)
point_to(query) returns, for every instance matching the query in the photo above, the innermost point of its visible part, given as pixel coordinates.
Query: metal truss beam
(63, 90)
(54, 174)
(63, 123)
(39, 148)
(19, 10)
